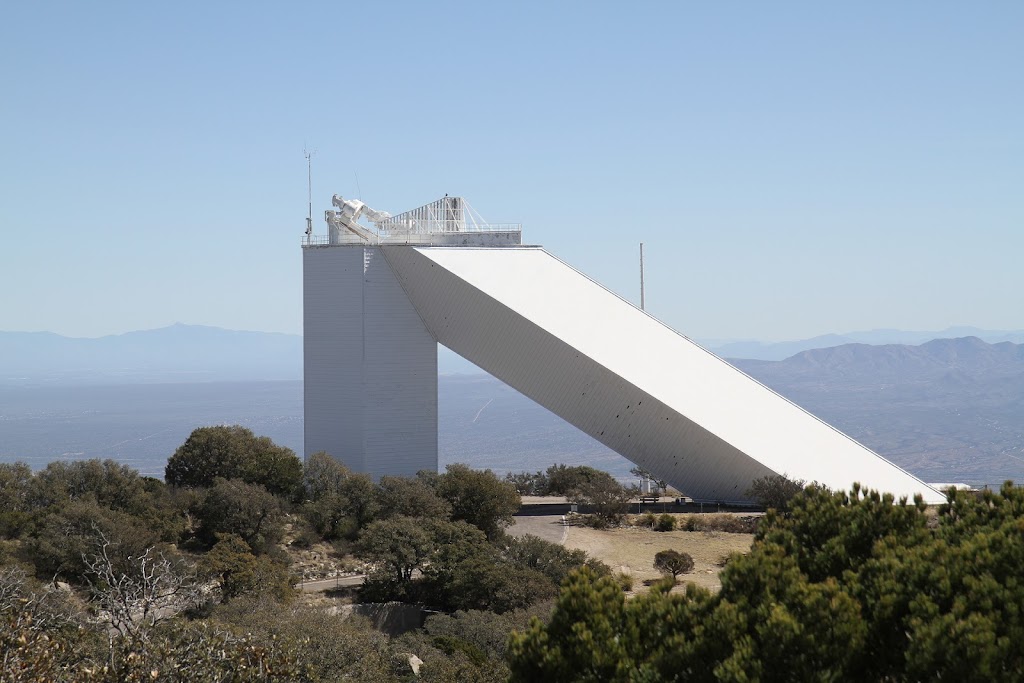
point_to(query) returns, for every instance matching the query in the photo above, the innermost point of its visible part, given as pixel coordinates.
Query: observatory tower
(370, 372)
(378, 300)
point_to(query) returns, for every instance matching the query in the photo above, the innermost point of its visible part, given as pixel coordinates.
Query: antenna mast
(309, 189)
(642, 276)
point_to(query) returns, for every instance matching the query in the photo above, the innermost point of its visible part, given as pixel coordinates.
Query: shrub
(478, 497)
(608, 498)
(625, 581)
(775, 491)
(673, 562)
(595, 521)
(235, 453)
(724, 522)
(235, 507)
(563, 479)
(529, 483)
(666, 522)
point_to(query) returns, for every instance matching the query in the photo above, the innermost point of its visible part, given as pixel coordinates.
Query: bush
(551, 559)
(666, 522)
(239, 572)
(478, 497)
(401, 497)
(625, 581)
(724, 522)
(594, 521)
(247, 510)
(850, 586)
(235, 453)
(563, 479)
(62, 539)
(529, 483)
(673, 562)
(607, 497)
(775, 491)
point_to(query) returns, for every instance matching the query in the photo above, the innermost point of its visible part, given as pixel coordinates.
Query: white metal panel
(370, 366)
(400, 377)
(332, 325)
(626, 379)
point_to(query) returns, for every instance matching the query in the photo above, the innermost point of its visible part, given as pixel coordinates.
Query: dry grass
(631, 550)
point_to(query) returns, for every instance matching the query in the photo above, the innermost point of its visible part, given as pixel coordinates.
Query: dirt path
(632, 550)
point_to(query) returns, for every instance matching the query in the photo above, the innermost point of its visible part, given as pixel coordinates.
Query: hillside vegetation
(106, 575)
(109, 576)
(844, 587)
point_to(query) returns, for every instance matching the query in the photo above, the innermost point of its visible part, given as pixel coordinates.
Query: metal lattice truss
(446, 216)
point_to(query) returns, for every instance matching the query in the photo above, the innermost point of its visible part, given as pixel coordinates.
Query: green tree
(15, 502)
(110, 485)
(399, 546)
(775, 491)
(235, 507)
(529, 483)
(562, 479)
(608, 498)
(846, 586)
(551, 559)
(584, 640)
(58, 545)
(400, 496)
(323, 475)
(673, 562)
(479, 498)
(234, 453)
(340, 502)
(465, 571)
(239, 572)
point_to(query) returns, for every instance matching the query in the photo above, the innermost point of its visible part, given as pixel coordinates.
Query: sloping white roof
(625, 378)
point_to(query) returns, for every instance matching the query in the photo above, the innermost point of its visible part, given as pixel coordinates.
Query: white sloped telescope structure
(378, 300)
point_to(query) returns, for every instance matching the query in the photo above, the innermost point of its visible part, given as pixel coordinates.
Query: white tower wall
(370, 377)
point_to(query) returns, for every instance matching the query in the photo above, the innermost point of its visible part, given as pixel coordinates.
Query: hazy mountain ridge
(935, 357)
(758, 350)
(946, 409)
(177, 352)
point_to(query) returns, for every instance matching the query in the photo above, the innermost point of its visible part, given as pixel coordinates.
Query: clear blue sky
(794, 168)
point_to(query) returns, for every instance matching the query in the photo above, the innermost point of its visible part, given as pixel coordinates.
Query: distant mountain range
(186, 353)
(179, 353)
(758, 350)
(946, 408)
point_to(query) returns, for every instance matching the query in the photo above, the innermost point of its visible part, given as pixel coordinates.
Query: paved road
(548, 527)
(322, 586)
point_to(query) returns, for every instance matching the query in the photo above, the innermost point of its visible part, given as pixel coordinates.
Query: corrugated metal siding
(624, 378)
(400, 366)
(332, 325)
(370, 365)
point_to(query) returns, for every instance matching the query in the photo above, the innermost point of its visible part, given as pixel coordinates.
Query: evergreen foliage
(477, 497)
(844, 587)
(775, 491)
(234, 453)
(673, 562)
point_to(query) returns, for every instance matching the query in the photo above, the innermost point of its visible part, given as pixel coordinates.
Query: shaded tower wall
(370, 366)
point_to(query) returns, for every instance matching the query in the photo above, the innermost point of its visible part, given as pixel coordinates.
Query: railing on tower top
(444, 216)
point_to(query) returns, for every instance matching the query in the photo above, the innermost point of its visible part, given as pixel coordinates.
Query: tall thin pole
(642, 276)
(309, 191)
